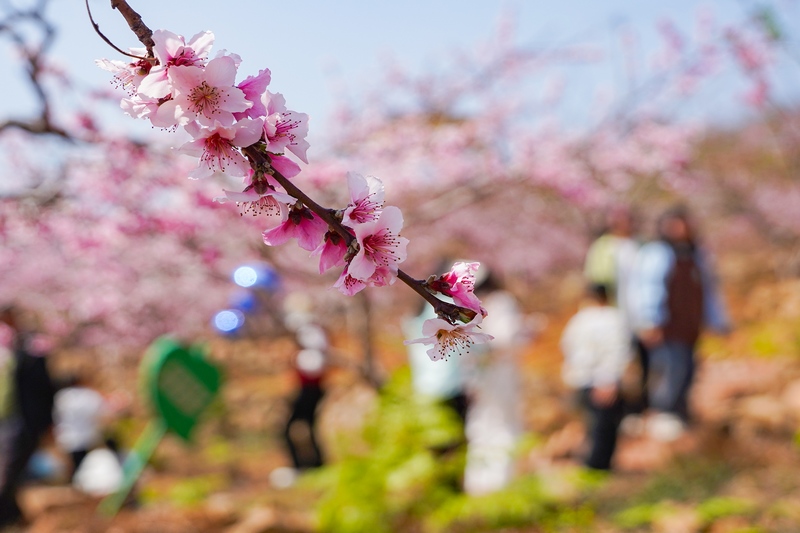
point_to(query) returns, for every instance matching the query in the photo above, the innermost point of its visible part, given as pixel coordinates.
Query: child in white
(78, 413)
(596, 347)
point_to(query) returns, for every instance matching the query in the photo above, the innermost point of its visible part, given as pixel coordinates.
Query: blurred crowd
(629, 354)
(645, 307)
(35, 407)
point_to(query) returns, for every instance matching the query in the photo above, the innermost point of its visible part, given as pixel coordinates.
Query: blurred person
(27, 409)
(79, 415)
(596, 349)
(310, 366)
(674, 296)
(610, 258)
(493, 424)
(610, 262)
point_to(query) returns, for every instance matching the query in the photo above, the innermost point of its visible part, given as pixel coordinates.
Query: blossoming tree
(465, 157)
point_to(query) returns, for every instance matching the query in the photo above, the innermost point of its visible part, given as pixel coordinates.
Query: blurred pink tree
(109, 242)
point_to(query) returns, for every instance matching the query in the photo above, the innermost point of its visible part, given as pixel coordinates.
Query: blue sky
(313, 45)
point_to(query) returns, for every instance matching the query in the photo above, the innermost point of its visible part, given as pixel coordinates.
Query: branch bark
(136, 24)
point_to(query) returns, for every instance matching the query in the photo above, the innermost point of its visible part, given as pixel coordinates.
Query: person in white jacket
(494, 422)
(79, 414)
(596, 347)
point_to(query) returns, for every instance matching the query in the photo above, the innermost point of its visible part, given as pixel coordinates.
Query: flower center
(204, 99)
(218, 152)
(453, 341)
(379, 247)
(265, 204)
(285, 126)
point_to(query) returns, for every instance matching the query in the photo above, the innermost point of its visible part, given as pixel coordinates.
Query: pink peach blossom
(284, 129)
(172, 50)
(366, 199)
(347, 284)
(301, 224)
(331, 252)
(272, 204)
(206, 94)
(379, 244)
(217, 147)
(253, 87)
(459, 284)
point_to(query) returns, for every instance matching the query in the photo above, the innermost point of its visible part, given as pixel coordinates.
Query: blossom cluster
(182, 87)
(244, 130)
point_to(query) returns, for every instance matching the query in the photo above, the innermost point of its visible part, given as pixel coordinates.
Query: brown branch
(135, 23)
(37, 127)
(33, 54)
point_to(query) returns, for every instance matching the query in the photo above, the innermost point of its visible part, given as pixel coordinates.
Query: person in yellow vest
(610, 263)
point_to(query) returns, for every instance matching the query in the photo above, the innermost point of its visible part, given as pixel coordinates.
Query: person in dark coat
(676, 297)
(27, 416)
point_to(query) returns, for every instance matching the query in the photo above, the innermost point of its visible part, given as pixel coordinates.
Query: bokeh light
(245, 276)
(228, 320)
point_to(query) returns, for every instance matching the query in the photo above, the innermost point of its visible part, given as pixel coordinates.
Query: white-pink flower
(448, 339)
(172, 50)
(459, 284)
(206, 94)
(127, 75)
(366, 199)
(217, 147)
(284, 129)
(160, 116)
(379, 245)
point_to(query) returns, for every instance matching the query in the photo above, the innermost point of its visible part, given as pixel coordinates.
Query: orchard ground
(738, 469)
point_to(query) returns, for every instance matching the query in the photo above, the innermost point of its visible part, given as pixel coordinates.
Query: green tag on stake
(180, 384)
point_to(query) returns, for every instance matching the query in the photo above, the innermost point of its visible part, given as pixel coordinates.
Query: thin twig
(96, 27)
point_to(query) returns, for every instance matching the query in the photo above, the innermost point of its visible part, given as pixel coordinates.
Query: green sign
(179, 384)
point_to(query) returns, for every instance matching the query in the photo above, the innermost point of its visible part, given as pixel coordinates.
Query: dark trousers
(459, 404)
(603, 425)
(304, 454)
(77, 458)
(672, 369)
(643, 357)
(22, 444)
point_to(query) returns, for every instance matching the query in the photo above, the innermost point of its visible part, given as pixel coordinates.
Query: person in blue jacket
(674, 296)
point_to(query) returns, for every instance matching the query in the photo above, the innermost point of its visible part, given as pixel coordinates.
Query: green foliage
(687, 479)
(188, 492)
(407, 476)
(707, 511)
(720, 507)
(219, 452)
(764, 342)
(525, 502)
(638, 515)
(411, 465)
